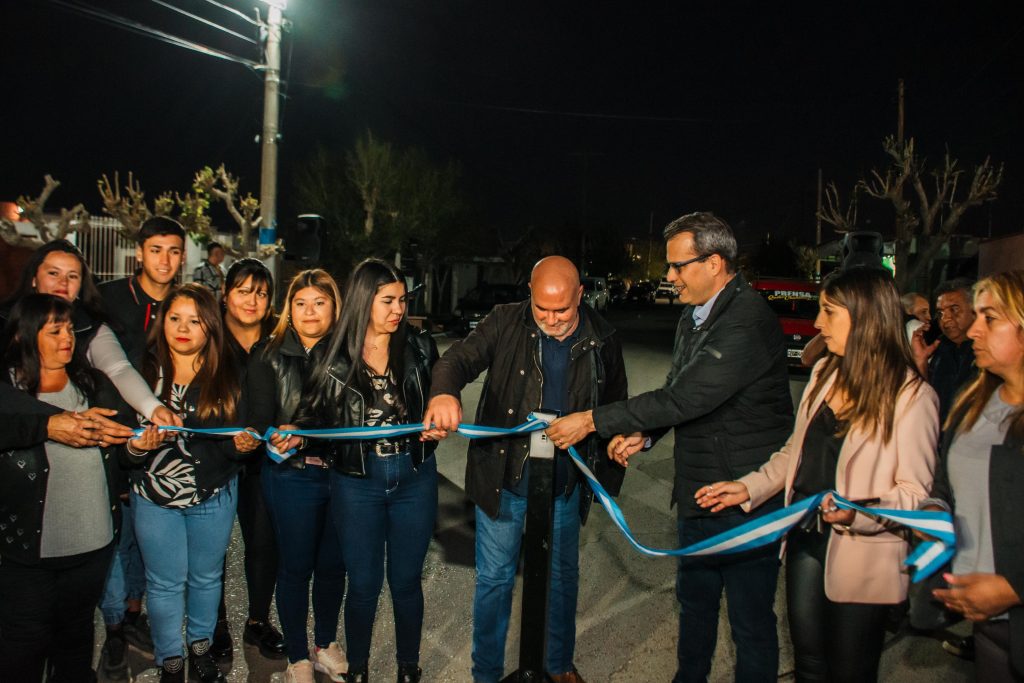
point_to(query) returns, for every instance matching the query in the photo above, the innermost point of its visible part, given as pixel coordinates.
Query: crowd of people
(108, 500)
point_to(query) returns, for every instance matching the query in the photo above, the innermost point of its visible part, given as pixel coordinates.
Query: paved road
(628, 619)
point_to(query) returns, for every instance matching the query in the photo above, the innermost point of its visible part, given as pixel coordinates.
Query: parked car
(595, 292)
(667, 290)
(641, 292)
(616, 290)
(475, 306)
(796, 304)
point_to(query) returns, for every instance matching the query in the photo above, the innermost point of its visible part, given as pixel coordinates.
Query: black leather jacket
(276, 378)
(345, 406)
(24, 467)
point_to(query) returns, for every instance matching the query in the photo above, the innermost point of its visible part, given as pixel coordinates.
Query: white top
(106, 355)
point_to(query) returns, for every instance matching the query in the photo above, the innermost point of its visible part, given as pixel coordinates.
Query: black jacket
(726, 395)
(24, 467)
(132, 312)
(506, 344)
(1005, 477)
(345, 406)
(275, 378)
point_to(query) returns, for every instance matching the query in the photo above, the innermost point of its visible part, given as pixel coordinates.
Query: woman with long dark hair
(376, 372)
(59, 268)
(185, 493)
(59, 507)
(248, 318)
(980, 469)
(866, 426)
(297, 491)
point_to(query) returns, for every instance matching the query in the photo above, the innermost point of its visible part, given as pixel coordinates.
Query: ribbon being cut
(927, 558)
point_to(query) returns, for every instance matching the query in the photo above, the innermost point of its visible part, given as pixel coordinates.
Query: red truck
(796, 304)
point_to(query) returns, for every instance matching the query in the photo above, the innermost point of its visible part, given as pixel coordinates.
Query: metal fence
(108, 253)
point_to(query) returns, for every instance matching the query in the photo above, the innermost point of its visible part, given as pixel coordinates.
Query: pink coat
(865, 563)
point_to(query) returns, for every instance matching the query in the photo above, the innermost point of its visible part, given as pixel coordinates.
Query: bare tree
(128, 204)
(928, 212)
(372, 169)
(75, 219)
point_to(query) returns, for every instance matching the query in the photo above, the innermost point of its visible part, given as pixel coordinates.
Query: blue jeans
(749, 580)
(389, 513)
(497, 554)
(127, 577)
(184, 548)
(298, 501)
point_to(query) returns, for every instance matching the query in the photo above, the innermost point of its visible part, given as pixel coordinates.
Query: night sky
(638, 107)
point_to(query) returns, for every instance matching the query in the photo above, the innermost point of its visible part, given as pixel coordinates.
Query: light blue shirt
(701, 313)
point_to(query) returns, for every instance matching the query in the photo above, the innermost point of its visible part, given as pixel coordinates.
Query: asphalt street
(628, 619)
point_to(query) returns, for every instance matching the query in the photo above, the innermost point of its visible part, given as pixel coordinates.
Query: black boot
(409, 673)
(173, 670)
(114, 658)
(222, 647)
(358, 675)
(201, 666)
(266, 637)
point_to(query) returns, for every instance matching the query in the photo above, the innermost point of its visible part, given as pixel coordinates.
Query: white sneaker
(331, 660)
(299, 672)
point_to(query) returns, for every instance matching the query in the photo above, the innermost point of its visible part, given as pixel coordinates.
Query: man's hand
(245, 442)
(92, 427)
(571, 429)
(624, 445)
(444, 412)
(165, 417)
(721, 495)
(922, 351)
(977, 596)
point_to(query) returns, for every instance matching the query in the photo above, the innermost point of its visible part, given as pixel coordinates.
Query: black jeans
(832, 641)
(46, 613)
(260, 547)
(749, 580)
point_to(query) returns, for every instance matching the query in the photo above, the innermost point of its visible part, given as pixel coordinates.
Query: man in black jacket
(550, 352)
(727, 397)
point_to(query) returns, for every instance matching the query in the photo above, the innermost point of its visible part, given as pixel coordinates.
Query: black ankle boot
(263, 635)
(201, 666)
(222, 647)
(358, 675)
(173, 670)
(409, 673)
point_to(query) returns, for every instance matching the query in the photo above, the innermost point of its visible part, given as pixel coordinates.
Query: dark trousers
(832, 641)
(749, 581)
(299, 504)
(46, 613)
(992, 653)
(389, 514)
(260, 547)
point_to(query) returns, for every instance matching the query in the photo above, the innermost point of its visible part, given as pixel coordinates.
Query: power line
(205, 21)
(149, 32)
(234, 11)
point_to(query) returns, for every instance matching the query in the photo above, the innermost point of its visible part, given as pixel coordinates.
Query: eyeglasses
(679, 265)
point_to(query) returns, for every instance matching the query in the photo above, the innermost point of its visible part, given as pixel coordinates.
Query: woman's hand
(246, 442)
(830, 514)
(92, 427)
(977, 596)
(165, 417)
(150, 439)
(622, 446)
(721, 495)
(282, 443)
(433, 434)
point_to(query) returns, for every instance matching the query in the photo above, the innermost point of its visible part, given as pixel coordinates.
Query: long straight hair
(877, 357)
(217, 378)
(350, 333)
(1007, 292)
(319, 280)
(21, 357)
(89, 297)
(240, 271)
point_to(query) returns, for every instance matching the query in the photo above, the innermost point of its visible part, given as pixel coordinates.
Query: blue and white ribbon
(928, 558)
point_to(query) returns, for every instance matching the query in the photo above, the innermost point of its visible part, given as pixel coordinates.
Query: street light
(269, 138)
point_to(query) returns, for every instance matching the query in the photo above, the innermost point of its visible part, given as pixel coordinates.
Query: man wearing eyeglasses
(727, 398)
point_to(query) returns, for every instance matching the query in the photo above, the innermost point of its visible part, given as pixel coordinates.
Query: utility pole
(268, 140)
(899, 114)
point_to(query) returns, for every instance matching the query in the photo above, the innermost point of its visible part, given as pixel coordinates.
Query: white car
(595, 292)
(666, 289)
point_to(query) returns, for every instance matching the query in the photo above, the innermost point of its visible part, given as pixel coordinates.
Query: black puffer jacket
(24, 467)
(506, 344)
(726, 395)
(345, 406)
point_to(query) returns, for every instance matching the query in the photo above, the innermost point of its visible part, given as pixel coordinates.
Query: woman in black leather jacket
(297, 491)
(59, 510)
(376, 372)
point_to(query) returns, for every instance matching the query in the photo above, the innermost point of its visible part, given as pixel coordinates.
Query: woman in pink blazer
(866, 427)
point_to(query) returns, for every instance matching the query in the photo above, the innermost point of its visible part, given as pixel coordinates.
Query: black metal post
(540, 508)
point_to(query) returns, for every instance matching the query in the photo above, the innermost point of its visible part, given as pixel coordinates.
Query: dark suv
(475, 306)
